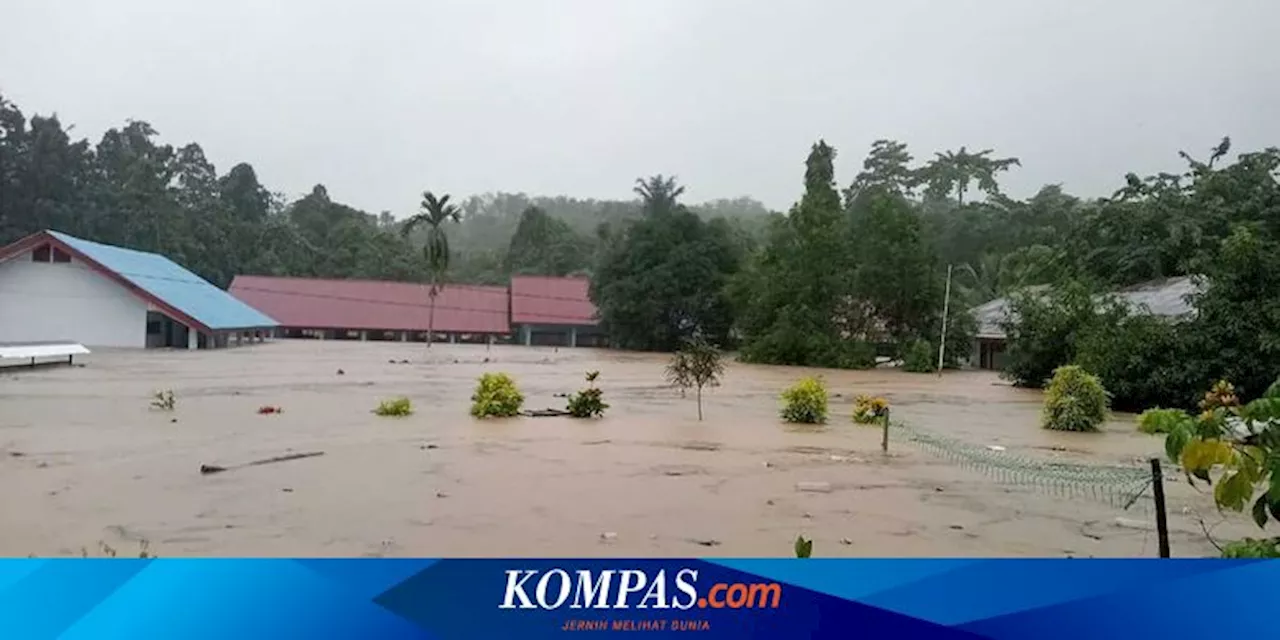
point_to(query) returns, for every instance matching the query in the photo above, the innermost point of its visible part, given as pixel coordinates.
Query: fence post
(1162, 516)
(884, 438)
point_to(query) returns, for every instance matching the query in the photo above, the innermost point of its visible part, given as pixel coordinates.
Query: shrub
(496, 396)
(1074, 401)
(589, 402)
(803, 547)
(164, 400)
(919, 357)
(805, 402)
(396, 407)
(1161, 420)
(869, 409)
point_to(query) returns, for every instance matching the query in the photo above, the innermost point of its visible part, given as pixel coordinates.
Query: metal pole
(884, 439)
(1162, 516)
(946, 309)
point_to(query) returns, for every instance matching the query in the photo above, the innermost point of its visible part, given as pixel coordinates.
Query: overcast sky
(379, 100)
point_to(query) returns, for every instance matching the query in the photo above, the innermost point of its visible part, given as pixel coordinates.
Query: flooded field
(84, 460)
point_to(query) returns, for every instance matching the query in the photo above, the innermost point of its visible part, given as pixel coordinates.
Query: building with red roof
(549, 310)
(377, 310)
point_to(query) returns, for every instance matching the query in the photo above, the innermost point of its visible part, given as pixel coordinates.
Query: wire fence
(1122, 487)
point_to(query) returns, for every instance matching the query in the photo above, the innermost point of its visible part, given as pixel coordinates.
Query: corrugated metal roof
(171, 284)
(1166, 297)
(551, 300)
(312, 303)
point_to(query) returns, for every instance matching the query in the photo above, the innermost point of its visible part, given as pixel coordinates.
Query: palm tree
(658, 193)
(435, 212)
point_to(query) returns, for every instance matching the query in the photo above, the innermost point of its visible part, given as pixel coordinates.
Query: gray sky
(379, 100)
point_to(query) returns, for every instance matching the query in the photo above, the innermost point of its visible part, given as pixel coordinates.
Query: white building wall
(67, 301)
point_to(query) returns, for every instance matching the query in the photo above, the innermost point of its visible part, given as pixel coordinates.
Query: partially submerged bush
(1161, 420)
(1074, 401)
(919, 358)
(496, 396)
(589, 402)
(396, 407)
(164, 400)
(803, 547)
(869, 409)
(805, 402)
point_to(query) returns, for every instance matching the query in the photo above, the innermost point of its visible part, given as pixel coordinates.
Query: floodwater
(84, 460)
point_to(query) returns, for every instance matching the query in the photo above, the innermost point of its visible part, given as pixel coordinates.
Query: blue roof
(172, 284)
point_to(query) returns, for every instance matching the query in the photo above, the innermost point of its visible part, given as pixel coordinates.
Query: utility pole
(946, 310)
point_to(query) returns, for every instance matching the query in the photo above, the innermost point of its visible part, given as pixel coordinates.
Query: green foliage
(1042, 331)
(496, 396)
(920, 357)
(803, 547)
(543, 245)
(805, 402)
(1240, 445)
(1252, 548)
(395, 407)
(869, 409)
(696, 365)
(793, 299)
(1161, 420)
(1145, 361)
(1074, 401)
(164, 400)
(589, 402)
(662, 279)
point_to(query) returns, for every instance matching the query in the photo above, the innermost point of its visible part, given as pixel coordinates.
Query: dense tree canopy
(848, 273)
(662, 279)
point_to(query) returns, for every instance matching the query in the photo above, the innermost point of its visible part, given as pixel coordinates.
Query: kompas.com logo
(632, 588)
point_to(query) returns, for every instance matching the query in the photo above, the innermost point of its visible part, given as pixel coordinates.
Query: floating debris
(814, 487)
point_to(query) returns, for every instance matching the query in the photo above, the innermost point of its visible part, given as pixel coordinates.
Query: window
(61, 256)
(41, 254)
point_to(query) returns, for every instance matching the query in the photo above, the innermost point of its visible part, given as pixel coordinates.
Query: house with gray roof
(1165, 297)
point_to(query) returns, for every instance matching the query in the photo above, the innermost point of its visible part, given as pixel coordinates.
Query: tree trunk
(431, 318)
(699, 404)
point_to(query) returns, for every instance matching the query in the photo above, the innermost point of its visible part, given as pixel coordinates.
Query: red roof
(551, 300)
(307, 303)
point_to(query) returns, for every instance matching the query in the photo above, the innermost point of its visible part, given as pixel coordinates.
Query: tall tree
(661, 279)
(435, 212)
(953, 172)
(794, 299)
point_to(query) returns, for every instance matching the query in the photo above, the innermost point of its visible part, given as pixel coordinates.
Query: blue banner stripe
(59, 592)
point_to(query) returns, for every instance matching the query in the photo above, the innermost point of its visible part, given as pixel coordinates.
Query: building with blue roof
(56, 287)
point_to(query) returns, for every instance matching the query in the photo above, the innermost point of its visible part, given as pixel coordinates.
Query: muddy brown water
(84, 460)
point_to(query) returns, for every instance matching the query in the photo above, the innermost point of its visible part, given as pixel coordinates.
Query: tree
(696, 365)
(543, 245)
(1043, 329)
(794, 299)
(661, 279)
(953, 172)
(435, 250)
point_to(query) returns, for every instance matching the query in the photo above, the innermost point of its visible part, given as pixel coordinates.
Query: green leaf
(1175, 442)
(804, 548)
(1233, 491)
(1260, 511)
